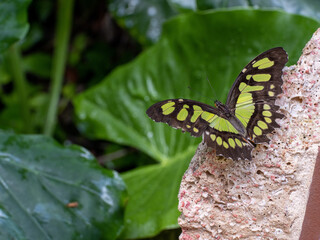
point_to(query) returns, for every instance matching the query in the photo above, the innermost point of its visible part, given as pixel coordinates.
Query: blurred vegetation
(84, 73)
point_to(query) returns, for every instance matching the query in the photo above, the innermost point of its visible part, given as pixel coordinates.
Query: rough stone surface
(264, 198)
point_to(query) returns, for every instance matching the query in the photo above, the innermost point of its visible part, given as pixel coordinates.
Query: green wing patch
(235, 128)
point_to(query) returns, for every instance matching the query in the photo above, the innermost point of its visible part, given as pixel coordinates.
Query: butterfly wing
(253, 94)
(202, 119)
(227, 144)
(188, 115)
(251, 99)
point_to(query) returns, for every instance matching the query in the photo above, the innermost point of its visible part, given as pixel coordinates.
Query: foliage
(146, 27)
(13, 22)
(69, 195)
(216, 44)
(39, 184)
(48, 191)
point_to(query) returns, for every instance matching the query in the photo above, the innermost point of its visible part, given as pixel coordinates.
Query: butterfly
(233, 129)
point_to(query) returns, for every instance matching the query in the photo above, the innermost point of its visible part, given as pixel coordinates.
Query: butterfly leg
(249, 141)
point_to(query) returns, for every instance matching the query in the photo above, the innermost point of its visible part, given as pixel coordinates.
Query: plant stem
(20, 85)
(64, 17)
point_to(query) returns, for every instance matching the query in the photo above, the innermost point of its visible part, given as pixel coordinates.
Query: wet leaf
(53, 192)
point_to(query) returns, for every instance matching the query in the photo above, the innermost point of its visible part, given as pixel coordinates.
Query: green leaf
(308, 8)
(146, 27)
(13, 22)
(143, 18)
(193, 47)
(39, 178)
(151, 210)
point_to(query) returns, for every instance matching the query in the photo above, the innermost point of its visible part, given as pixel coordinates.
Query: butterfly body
(226, 113)
(233, 129)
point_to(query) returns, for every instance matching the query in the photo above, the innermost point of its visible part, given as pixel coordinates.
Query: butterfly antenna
(214, 92)
(200, 93)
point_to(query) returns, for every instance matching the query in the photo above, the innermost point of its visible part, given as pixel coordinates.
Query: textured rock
(264, 198)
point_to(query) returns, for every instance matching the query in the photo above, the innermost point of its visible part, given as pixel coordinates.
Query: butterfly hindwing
(252, 96)
(227, 144)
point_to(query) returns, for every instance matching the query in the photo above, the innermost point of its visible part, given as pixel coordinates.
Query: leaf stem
(20, 85)
(64, 18)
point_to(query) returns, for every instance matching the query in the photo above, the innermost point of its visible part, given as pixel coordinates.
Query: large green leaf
(215, 44)
(13, 22)
(153, 192)
(144, 18)
(39, 178)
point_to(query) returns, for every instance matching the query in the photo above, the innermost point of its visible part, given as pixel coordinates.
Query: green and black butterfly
(234, 128)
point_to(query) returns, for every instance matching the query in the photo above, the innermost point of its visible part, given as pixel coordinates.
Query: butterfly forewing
(252, 96)
(188, 115)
